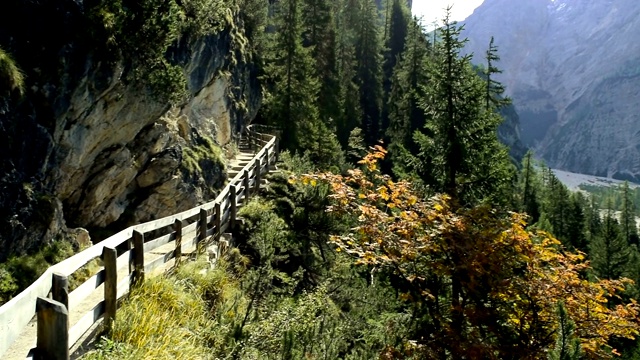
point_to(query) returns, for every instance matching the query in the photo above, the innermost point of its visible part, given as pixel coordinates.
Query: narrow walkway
(242, 158)
(27, 339)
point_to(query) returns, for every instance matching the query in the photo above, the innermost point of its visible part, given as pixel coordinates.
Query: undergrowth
(18, 272)
(181, 316)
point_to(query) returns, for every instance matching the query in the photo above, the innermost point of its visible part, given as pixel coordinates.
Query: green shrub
(141, 31)
(21, 271)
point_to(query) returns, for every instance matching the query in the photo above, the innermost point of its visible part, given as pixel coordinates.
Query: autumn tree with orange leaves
(477, 284)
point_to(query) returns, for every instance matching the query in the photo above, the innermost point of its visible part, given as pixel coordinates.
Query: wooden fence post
(138, 257)
(277, 144)
(177, 227)
(53, 330)
(60, 289)
(233, 207)
(217, 220)
(258, 166)
(266, 155)
(109, 257)
(202, 224)
(247, 189)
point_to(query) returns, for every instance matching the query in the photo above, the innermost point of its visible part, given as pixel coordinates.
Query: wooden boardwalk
(137, 252)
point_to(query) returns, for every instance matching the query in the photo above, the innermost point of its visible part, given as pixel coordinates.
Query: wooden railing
(50, 301)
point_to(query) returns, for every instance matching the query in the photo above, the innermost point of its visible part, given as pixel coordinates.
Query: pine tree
(567, 345)
(594, 221)
(628, 216)
(368, 68)
(494, 89)
(350, 112)
(320, 35)
(575, 223)
(292, 106)
(555, 205)
(609, 250)
(405, 114)
(460, 137)
(529, 185)
(395, 38)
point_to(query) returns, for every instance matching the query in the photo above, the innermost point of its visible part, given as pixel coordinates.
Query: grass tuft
(11, 77)
(175, 317)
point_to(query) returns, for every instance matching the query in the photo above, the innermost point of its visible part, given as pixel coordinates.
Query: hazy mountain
(573, 70)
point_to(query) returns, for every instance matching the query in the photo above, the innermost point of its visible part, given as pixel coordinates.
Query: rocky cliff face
(89, 147)
(572, 68)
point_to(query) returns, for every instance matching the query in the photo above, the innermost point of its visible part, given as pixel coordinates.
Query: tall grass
(185, 315)
(10, 75)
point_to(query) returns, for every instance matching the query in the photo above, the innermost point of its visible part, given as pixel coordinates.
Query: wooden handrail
(18, 312)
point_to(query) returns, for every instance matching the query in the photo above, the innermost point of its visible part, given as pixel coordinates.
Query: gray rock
(572, 68)
(98, 144)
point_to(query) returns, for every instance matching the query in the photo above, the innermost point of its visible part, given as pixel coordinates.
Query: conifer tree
(369, 67)
(290, 67)
(628, 216)
(293, 104)
(575, 223)
(593, 221)
(494, 89)
(395, 38)
(405, 114)
(609, 251)
(460, 136)
(555, 205)
(320, 35)
(350, 112)
(529, 185)
(567, 345)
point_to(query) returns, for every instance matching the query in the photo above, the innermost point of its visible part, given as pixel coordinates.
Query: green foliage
(289, 66)
(19, 272)
(459, 152)
(405, 115)
(152, 322)
(609, 252)
(204, 153)
(494, 89)
(368, 69)
(11, 77)
(142, 31)
(567, 346)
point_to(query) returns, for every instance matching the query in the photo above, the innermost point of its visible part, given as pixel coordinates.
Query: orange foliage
(490, 287)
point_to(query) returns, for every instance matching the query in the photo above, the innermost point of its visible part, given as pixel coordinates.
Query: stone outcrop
(86, 147)
(572, 69)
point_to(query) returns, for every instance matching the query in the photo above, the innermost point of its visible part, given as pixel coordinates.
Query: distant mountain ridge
(573, 70)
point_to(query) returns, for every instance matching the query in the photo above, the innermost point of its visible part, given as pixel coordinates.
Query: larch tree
(494, 91)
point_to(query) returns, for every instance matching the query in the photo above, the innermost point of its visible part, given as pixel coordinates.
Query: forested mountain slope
(572, 69)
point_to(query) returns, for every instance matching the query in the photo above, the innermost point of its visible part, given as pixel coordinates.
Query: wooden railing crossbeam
(191, 228)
